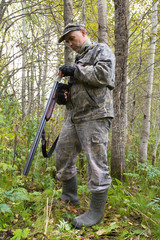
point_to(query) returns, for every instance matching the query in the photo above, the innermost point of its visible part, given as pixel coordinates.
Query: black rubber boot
(95, 213)
(69, 191)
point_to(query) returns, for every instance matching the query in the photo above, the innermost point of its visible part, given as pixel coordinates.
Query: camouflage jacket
(91, 87)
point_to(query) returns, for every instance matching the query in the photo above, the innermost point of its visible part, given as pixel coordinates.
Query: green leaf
(20, 234)
(17, 235)
(19, 194)
(108, 229)
(138, 231)
(25, 232)
(36, 194)
(5, 208)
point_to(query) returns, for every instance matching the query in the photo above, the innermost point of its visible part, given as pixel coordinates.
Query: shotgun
(46, 116)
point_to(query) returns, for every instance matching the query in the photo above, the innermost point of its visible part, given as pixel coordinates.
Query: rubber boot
(95, 213)
(69, 191)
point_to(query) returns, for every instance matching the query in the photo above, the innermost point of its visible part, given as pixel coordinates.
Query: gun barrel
(40, 130)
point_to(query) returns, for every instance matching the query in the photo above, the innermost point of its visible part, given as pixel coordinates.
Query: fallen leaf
(68, 208)
(138, 238)
(74, 210)
(79, 237)
(15, 221)
(100, 232)
(51, 221)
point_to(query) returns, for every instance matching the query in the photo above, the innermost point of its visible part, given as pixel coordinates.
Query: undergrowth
(31, 208)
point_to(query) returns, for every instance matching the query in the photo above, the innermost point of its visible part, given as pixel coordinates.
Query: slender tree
(84, 11)
(3, 7)
(155, 148)
(149, 86)
(157, 122)
(45, 65)
(119, 93)
(68, 18)
(102, 21)
(24, 45)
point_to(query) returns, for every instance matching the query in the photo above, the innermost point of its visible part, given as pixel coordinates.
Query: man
(88, 97)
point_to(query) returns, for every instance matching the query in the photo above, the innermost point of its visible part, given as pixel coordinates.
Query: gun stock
(51, 106)
(46, 116)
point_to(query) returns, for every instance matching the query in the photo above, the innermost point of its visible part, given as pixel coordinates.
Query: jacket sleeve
(102, 70)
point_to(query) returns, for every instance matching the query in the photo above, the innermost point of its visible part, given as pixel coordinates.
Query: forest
(30, 56)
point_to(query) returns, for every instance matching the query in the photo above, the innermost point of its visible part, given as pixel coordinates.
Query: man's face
(76, 39)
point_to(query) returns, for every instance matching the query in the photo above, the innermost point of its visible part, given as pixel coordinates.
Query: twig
(52, 202)
(46, 218)
(39, 233)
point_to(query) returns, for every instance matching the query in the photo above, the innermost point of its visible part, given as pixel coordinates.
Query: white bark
(68, 17)
(83, 11)
(102, 21)
(45, 65)
(24, 59)
(149, 84)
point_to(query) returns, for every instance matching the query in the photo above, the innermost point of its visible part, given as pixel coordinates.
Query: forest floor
(46, 216)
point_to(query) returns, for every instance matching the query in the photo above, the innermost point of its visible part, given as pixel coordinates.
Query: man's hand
(66, 70)
(62, 92)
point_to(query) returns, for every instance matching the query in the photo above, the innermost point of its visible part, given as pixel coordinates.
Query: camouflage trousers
(92, 138)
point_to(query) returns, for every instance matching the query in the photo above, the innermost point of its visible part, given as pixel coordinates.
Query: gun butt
(51, 107)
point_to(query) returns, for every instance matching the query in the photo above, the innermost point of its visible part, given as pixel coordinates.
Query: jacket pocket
(91, 99)
(98, 139)
(81, 99)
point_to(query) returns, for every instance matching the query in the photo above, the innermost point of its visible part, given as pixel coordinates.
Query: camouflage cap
(69, 28)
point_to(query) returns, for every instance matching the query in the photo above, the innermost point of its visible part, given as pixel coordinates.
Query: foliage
(20, 234)
(63, 226)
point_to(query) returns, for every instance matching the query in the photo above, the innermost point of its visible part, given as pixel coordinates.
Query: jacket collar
(85, 45)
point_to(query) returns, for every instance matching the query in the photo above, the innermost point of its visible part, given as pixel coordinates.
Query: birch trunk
(102, 21)
(45, 65)
(81, 155)
(39, 83)
(24, 60)
(83, 11)
(68, 17)
(149, 84)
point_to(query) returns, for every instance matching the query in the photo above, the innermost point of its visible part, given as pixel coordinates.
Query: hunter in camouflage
(90, 104)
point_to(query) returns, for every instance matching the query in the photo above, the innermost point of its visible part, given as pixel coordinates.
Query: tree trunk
(149, 85)
(83, 11)
(155, 148)
(68, 18)
(24, 60)
(119, 93)
(3, 8)
(45, 65)
(39, 84)
(102, 21)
